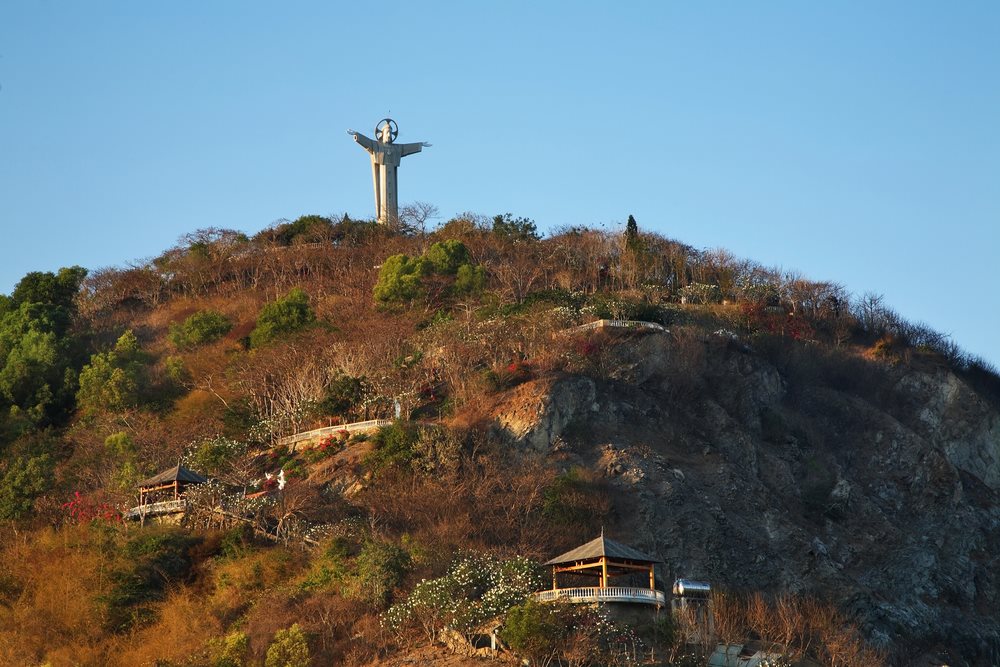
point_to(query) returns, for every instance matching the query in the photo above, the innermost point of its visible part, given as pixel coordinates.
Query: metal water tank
(689, 588)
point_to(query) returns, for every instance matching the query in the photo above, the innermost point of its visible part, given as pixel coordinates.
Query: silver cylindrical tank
(689, 588)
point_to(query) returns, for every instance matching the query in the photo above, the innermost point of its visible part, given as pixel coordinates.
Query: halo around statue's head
(393, 130)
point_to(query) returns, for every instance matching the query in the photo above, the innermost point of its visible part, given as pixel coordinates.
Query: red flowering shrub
(83, 509)
(587, 348)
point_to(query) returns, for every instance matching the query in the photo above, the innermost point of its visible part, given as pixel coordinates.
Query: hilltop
(763, 431)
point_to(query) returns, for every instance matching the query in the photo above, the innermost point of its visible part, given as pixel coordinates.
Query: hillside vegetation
(805, 449)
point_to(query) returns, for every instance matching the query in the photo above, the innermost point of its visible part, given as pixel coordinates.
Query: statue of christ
(385, 160)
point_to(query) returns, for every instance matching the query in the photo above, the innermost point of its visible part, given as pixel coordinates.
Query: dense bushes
(289, 649)
(24, 479)
(38, 351)
(568, 634)
(201, 328)
(403, 278)
(151, 560)
(282, 316)
(113, 380)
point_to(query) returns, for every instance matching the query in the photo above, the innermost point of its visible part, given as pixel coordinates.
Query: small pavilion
(175, 480)
(604, 559)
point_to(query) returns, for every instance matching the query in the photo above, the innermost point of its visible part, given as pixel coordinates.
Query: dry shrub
(805, 627)
(57, 617)
(57, 575)
(729, 617)
(194, 415)
(493, 500)
(182, 629)
(271, 613)
(333, 621)
(367, 640)
(686, 362)
(760, 617)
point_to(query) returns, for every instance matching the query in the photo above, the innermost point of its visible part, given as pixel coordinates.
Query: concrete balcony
(317, 433)
(156, 509)
(609, 594)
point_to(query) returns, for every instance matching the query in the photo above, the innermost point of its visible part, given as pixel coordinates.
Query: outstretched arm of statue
(410, 149)
(365, 142)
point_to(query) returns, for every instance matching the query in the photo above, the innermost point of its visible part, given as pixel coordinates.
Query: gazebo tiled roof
(176, 474)
(603, 547)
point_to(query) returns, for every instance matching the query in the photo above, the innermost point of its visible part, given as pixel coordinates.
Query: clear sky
(857, 142)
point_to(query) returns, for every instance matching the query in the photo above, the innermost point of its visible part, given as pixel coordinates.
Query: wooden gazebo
(604, 559)
(174, 480)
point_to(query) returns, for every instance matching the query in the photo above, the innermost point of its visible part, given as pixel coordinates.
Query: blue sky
(856, 142)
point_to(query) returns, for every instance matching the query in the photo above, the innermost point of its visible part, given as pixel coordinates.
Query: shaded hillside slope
(877, 488)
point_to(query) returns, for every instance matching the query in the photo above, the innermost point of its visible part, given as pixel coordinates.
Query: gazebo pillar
(604, 572)
(652, 577)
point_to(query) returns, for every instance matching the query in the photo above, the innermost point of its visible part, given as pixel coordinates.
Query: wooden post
(652, 577)
(604, 572)
(176, 489)
(555, 585)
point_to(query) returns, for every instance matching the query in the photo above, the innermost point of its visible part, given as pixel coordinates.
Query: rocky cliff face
(875, 485)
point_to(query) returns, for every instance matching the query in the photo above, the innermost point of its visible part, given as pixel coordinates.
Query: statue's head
(386, 130)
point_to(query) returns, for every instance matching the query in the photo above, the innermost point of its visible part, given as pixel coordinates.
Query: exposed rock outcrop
(883, 497)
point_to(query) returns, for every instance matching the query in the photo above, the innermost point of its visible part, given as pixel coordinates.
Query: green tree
(342, 395)
(122, 450)
(229, 651)
(632, 242)
(304, 229)
(380, 569)
(403, 278)
(25, 479)
(201, 328)
(469, 279)
(447, 256)
(113, 380)
(289, 649)
(37, 351)
(286, 315)
(518, 230)
(58, 289)
(535, 630)
(394, 446)
(399, 279)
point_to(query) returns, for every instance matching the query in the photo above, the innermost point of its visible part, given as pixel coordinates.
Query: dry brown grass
(804, 628)
(182, 629)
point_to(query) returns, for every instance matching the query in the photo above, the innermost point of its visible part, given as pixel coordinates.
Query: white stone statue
(385, 160)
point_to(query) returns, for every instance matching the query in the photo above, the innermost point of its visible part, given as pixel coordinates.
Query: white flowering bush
(476, 588)
(758, 291)
(700, 293)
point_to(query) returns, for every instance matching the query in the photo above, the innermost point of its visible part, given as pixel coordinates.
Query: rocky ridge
(879, 491)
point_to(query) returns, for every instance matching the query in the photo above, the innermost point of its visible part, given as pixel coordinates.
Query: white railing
(609, 594)
(316, 433)
(617, 324)
(156, 509)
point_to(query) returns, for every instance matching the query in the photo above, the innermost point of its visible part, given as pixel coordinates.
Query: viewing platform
(317, 433)
(598, 594)
(615, 324)
(163, 494)
(156, 509)
(603, 559)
